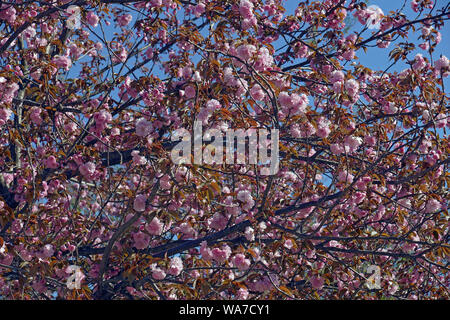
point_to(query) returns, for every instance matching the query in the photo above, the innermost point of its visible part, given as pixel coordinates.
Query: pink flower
(432, 206)
(263, 284)
(249, 234)
(75, 51)
(218, 221)
(39, 286)
(92, 19)
(358, 197)
(196, 76)
(352, 38)
(293, 104)
(336, 148)
(35, 115)
(349, 54)
(337, 76)
(441, 120)
(257, 92)
(199, 9)
(419, 62)
(5, 114)
(186, 72)
(442, 63)
(323, 128)
(242, 294)
(370, 140)
(87, 169)
(115, 132)
(240, 262)
(9, 14)
(137, 159)
(221, 255)
(189, 92)
(63, 62)
(310, 254)
(165, 182)
(284, 99)
(51, 163)
(303, 51)
(8, 93)
(264, 59)
(246, 9)
(246, 51)
(438, 37)
(139, 203)
(29, 32)
(244, 196)
(141, 240)
(317, 282)
(124, 20)
(175, 266)
(48, 251)
(121, 56)
(345, 176)
(414, 5)
(352, 143)
(424, 46)
(288, 244)
(426, 31)
(213, 105)
(390, 108)
(155, 227)
(352, 87)
(149, 53)
(102, 118)
(143, 127)
(158, 274)
(205, 251)
(156, 3)
(363, 183)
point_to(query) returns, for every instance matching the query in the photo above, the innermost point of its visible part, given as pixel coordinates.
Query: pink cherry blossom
(87, 169)
(432, 206)
(442, 66)
(175, 266)
(199, 9)
(246, 51)
(240, 261)
(124, 20)
(158, 273)
(63, 62)
(419, 62)
(317, 282)
(9, 14)
(51, 162)
(143, 127)
(155, 227)
(141, 240)
(221, 254)
(139, 202)
(242, 294)
(189, 92)
(92, 19)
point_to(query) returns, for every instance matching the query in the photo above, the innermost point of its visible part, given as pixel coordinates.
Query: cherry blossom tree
(93, 90)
